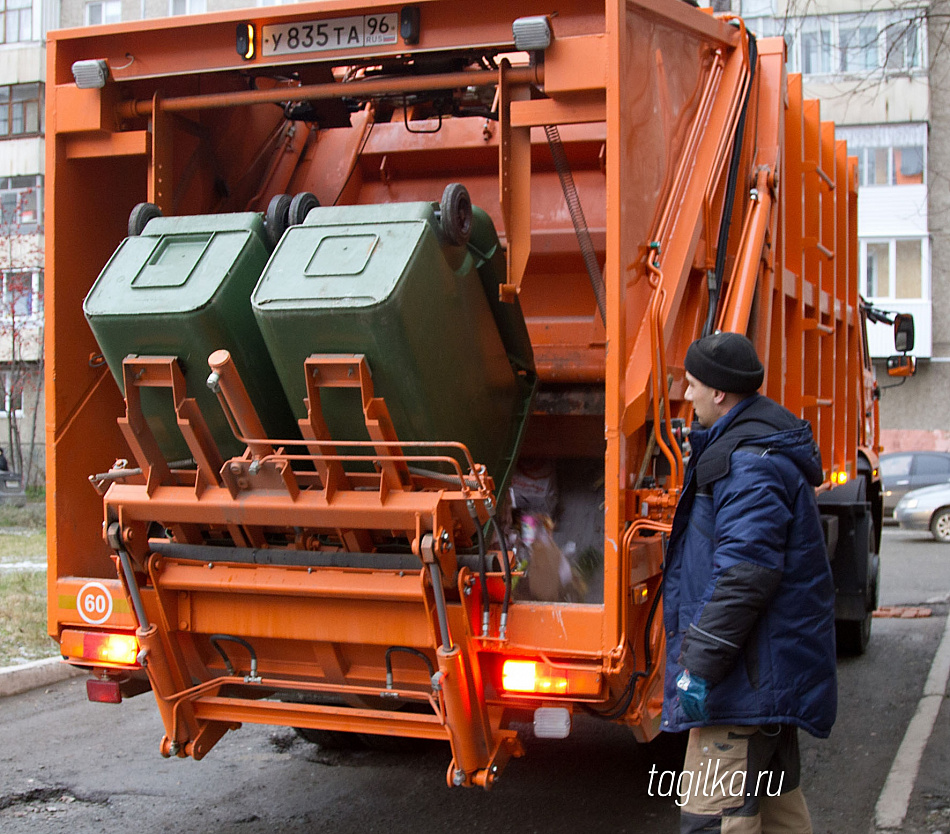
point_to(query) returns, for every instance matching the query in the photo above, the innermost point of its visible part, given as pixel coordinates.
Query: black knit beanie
(726, 362)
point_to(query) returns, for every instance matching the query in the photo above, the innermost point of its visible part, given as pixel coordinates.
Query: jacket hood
(763, 423)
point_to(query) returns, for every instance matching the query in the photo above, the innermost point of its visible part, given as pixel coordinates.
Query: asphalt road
(72, 766)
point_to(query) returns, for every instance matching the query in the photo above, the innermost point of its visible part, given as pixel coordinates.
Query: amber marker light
(840, 478)
(100, 648)
(244, 40)
(535, 678)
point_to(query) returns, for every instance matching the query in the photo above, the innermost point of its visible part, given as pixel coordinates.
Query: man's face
(704, 399)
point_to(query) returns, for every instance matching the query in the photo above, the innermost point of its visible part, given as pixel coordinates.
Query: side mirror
(902, 365)
(903, 333)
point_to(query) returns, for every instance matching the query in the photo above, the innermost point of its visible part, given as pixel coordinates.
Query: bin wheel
(140, 216)
(275, 218)
(300, 207)
(455, 214)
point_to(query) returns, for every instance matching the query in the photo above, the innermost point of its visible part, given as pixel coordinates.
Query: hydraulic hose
(405, 650)
(577, 218)
(482, 571)
(215, 639)
(506, 567)
(731, 183)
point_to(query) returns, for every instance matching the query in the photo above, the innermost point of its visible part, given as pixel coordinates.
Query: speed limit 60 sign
(94, 603)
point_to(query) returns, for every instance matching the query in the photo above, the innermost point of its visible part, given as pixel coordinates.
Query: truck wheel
(275, 218)
(940, 525)
(301, 206)
(852, 636)
(140, 216)
(455, 214)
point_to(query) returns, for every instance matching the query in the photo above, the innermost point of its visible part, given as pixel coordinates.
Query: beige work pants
(743, 780)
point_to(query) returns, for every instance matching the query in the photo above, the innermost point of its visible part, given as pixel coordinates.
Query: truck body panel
(652, 173)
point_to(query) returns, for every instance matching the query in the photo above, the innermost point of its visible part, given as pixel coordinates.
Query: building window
(855, 44)
(888, 154)
(894, 268)
(186, 6)
(20, 107)
(902, 43)
(106, 11)
(17, 21)
(12, 397)
(21, 204)
(22, 293)
(817, 43)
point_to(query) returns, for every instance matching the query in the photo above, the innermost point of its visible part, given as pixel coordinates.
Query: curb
(17, 679)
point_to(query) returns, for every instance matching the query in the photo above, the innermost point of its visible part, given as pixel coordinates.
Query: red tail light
(539, 678)
(100, 648)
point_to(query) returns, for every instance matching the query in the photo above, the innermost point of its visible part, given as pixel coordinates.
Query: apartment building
(23, 26)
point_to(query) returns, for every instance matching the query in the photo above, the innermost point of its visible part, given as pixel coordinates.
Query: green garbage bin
(182, 288)
(380, 280)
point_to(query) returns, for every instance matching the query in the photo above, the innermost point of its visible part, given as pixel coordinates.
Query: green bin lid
(176, 265)
(343, 257)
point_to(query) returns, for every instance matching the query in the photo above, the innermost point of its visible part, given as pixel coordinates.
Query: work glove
(693, 692)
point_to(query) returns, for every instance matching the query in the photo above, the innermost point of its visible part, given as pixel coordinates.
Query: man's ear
(719, 397)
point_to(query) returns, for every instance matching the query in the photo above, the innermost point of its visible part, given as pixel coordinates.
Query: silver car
(926, 509)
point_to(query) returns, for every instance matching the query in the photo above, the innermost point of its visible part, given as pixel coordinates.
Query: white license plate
(326, 35)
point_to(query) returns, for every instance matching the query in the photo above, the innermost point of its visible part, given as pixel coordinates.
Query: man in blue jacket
(748, 601)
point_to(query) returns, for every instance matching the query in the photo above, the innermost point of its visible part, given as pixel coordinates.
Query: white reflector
(91, 74)
(552, 722)
(532, 33)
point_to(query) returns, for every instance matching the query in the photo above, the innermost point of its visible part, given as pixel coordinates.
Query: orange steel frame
(647, 95)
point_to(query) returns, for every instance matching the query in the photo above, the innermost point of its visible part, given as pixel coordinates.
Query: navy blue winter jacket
(748, 599)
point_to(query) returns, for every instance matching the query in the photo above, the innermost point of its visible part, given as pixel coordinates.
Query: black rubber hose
(405, 650)
(215, 638)
(506, 567)
(731, 184)
(482, 572)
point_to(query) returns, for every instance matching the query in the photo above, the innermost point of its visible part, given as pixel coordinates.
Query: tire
(301, 206)
(140, 216)
(852, 636)
(940, 525)
(455, 214)
(275, 218)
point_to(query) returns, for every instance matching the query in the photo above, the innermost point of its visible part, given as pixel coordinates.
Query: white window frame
(191, 7)
(22, 12)
(110, 12)
(6, 399)
(18, 187)
(865, 139)
(892, 267)
(36, 294)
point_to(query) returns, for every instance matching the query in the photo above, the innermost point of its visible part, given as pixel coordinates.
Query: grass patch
(22, 546)
(31, 515)
(23, 617)
(23, 592)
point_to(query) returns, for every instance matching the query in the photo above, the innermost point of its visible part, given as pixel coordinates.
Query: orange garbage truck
(365, 335)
